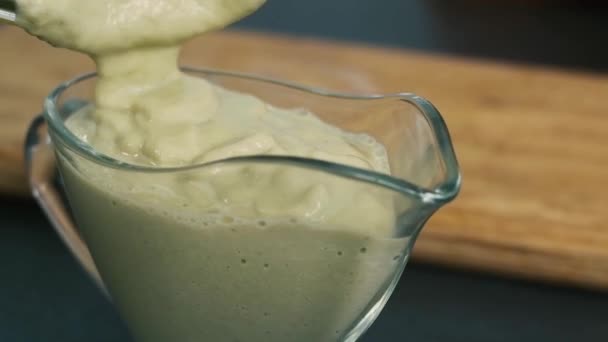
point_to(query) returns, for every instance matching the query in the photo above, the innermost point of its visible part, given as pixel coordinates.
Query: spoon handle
(8, 9)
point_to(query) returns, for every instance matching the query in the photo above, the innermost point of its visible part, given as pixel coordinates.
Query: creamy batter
(227, 252)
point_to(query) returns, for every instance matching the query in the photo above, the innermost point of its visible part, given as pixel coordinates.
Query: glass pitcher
(178, 272)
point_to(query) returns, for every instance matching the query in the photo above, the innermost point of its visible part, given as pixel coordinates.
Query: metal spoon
(8, 9)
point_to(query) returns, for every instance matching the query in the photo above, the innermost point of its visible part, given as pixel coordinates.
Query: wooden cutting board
(532, 142)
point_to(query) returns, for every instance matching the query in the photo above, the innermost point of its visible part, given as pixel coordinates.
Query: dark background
(572, 34)
(44, 296)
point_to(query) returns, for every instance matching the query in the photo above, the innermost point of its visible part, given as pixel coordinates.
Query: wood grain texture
(532, 142)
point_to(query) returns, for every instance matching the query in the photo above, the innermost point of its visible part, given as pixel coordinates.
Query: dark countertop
(44, 296)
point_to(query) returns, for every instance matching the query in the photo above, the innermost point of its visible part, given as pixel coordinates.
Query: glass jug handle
(41, 174)
(8, 13)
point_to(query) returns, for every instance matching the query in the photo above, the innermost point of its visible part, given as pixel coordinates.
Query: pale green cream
(229, 252)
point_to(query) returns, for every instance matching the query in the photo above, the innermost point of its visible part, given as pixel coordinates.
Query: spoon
(8, 10)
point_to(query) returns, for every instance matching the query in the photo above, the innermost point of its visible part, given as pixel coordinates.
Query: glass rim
(444, 192)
